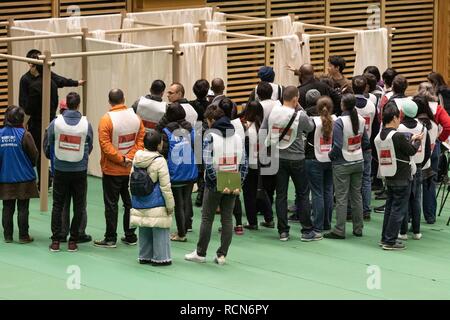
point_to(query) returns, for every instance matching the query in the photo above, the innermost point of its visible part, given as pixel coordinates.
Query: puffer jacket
(160, 217)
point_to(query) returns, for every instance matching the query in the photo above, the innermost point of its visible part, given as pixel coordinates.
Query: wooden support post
(55, 8)
(84, 68)
(176, 62)
(203, 38)
(390, 36)
(10, 64)
(123, 15)
(268, 33)
(46, 86)
(326, 44)
(441, 37)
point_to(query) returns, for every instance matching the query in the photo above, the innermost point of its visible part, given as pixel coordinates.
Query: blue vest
(153, 200)
(15, 166)
(181, 158)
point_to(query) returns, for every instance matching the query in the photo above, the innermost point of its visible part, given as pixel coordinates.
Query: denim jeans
(294, 169)
(154, 244)
(429, 187)
(347, 179)
(415, 204)
(395, 211)
(320, 177)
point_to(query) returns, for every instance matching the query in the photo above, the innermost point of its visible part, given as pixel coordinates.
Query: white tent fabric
(287, 53)
(74, 24)
(191, 66)
(70, 68)
(215, 54)
(134, 72)
(299, 27)
(371, 47)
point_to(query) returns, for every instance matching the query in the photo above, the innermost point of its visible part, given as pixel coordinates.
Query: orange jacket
(112, 160)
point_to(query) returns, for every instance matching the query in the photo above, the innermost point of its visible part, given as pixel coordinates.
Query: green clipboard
(228, 179)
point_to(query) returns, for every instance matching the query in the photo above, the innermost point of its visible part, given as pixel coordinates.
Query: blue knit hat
(409, 108)
(266, 74)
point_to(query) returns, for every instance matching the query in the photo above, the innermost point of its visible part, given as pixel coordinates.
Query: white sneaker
(194, 257)
(219, 260)
(402, 236)
(417, 236)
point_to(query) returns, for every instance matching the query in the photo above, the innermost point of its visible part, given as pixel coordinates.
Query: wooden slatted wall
(17, 10)
(91, 7)
(412, 45)
(36, 9)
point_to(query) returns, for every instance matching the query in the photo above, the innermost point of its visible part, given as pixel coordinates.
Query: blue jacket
(181, 158)
(153, 200)
(71, 117)
(15, 165)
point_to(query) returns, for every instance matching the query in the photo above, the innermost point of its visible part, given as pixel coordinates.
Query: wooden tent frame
(47, 60)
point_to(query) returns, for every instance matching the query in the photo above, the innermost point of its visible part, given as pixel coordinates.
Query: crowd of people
(362, 135)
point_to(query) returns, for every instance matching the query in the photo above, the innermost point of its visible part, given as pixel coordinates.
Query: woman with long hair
(253, 117)
(350, 139)
(441, 89)
(442, 121)
(318, 164)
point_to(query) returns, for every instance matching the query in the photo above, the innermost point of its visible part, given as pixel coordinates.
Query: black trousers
(9, 207)
(113, 187)
(74, 185)
(183, 207)
(65, 223)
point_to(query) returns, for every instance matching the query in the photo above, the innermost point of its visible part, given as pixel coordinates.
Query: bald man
(308, 82)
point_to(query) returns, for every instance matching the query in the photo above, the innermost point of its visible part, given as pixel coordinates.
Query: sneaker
(251, 226)
(357, 234)
(8, 240)
(129, 241)
(332, 235)
(417, 236)
(379, 209)
(26, 240)
(54, 247)
(396, 246)
(161, 264)
(366, 216)
(382, 196)
(402, 237)
(266, 224)
(194, 257)
(311, 236)
(219, 260)
(239, 230)
(284, 236)
(431, 221)
(176, 237)
(105, 244)
(143, 261)
(293, 218)
(381, 243)
(84, 238)
(72, 246)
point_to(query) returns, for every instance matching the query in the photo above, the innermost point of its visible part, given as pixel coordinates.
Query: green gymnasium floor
(259, 266)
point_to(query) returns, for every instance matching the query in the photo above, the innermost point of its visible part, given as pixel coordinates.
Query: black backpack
(140, 182)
